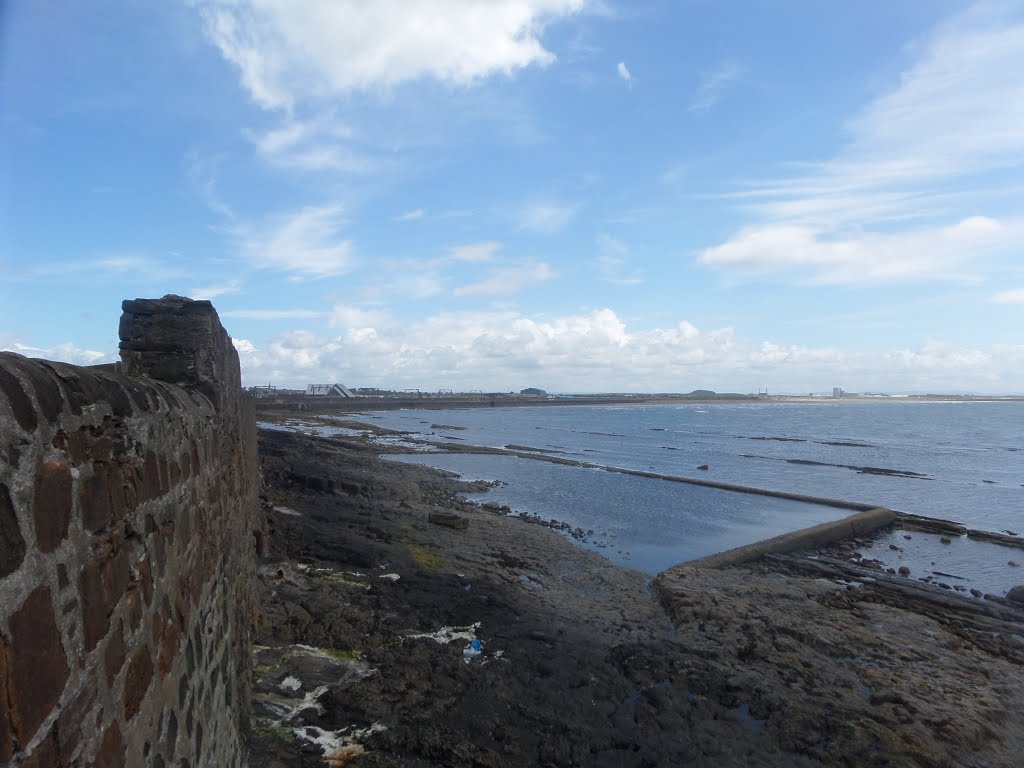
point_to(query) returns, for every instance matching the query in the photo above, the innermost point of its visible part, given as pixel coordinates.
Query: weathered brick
(48, 394)
(122, 498)
(168, 649)
(94, 498)
(7, 743)
(195, 461)
(114, 654)
(12, 543)
(111, 751)
(101, 582)
(37, 667)
(51, 505)
(24, 411)
(73, 720)
(62, 576)
(151, 486)
(74, 445)
(134, 602)
(114, 394)
(139, 396)
(165, 478)
(136, 683)
(145, 574)
(46, 755)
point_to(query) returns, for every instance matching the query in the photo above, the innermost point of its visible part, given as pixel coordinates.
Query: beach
(380, 575)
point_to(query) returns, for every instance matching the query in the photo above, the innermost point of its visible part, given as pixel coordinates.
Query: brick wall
(128, 507)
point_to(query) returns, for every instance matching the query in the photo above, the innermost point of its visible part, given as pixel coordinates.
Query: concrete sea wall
(128, 527)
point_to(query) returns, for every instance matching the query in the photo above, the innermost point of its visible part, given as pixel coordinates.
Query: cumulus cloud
(954, 120)
(624, 72)
(287, 52)
(598, 351)
(510, 280)
(65, 353)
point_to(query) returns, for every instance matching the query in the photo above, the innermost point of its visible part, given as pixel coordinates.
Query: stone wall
(128, 507)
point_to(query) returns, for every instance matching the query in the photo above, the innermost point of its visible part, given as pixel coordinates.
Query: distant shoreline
(342, 404)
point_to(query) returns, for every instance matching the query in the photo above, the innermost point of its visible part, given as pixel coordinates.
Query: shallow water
(962, 564)
(957, 461)
(643, 523)
(961, 461)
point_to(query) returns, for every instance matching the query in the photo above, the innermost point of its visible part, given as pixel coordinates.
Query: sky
(577, 195)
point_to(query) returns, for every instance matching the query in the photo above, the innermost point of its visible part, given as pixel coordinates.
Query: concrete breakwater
(128, 524)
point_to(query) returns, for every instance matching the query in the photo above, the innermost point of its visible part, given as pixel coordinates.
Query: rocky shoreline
(401, 625)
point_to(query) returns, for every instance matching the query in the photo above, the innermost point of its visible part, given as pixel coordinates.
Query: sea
(959, 461)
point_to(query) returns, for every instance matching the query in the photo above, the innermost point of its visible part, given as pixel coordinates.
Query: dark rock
(35, 666)
(51, 505)
(945, 540)
(449, 520)
(904, 570)
(703, 467)
(140, 673)
(1016, 594)
(12, 544)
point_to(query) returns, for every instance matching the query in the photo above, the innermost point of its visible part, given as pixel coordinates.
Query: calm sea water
(960, 461)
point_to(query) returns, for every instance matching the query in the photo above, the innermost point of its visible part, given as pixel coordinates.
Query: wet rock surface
(369, 613)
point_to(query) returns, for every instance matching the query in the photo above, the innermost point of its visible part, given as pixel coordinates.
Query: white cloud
(321, 143)
(624, 72)
(510, 280)
(546, 217)
(953, 252)
(272, 314)
(354, 317)
(713, 86)
(883, 207)
(306, 243)
(212, 291)
(1014, 296)
(598, 351)
(414, 215)
(65, 353)
(287, 52)
(474, 253)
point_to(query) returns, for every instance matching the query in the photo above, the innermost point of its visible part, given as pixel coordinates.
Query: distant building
(328, 390)
(837, 392)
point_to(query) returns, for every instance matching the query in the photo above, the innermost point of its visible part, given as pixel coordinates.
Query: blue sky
(571, 194)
